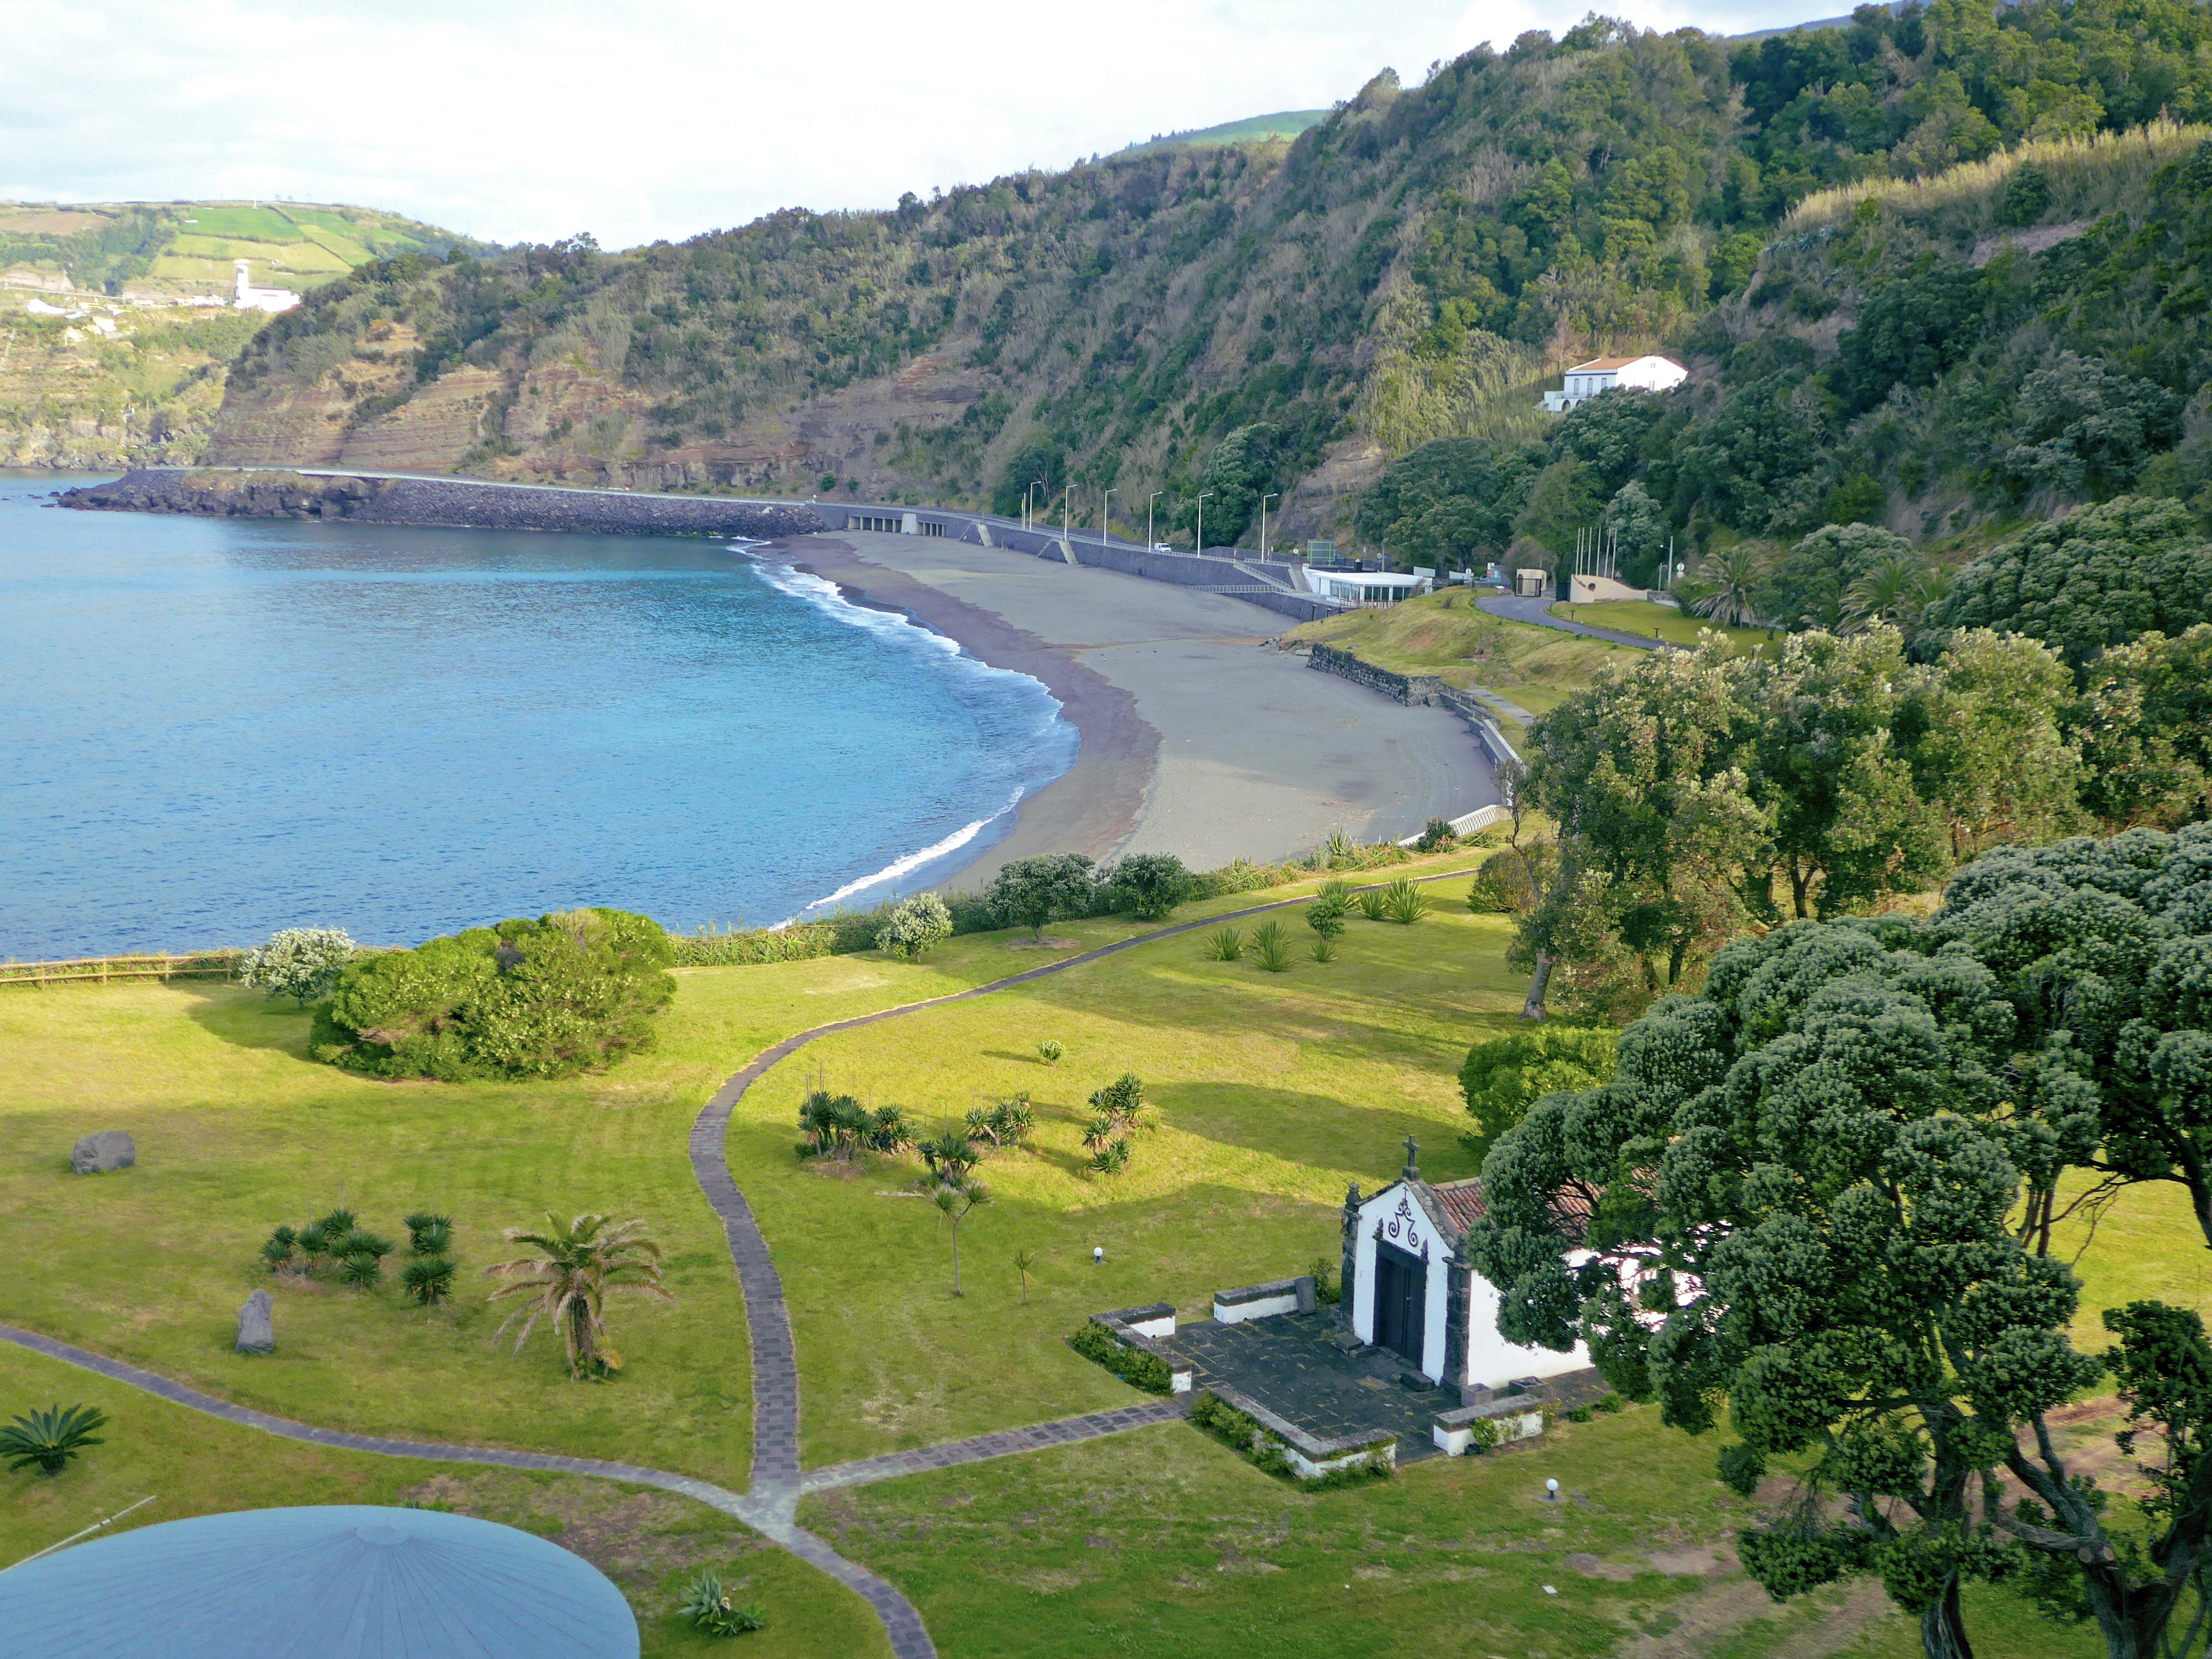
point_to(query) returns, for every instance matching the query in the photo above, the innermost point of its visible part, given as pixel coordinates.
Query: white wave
(829, 597)
(908, 863)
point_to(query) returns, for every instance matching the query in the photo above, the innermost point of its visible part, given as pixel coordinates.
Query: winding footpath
(1539, 611)
(771, 1503)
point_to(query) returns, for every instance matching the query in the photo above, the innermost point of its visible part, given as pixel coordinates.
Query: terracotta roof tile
(1599, 364)
(1462, 1201)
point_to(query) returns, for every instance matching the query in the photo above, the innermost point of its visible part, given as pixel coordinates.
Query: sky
(662, 118)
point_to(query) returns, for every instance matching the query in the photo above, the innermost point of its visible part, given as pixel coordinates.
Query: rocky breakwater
(461, 503)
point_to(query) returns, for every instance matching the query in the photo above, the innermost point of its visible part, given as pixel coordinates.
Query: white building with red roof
(1602, 374)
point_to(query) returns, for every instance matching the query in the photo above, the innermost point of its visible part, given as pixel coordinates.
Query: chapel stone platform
(1291, 1364)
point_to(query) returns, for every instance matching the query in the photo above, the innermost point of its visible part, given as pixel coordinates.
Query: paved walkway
(770, 1504)
(1539, 611)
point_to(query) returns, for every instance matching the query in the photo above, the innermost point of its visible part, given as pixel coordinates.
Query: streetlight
(1066, 512)
(1035, 484)
(1202, 494)
(1148, 500)
(1103, 526)
(1271, 495)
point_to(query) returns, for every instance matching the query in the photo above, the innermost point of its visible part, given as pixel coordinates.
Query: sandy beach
(1198, 738)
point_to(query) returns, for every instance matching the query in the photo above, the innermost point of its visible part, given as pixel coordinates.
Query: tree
(1040, 459)
(1797, 1193)
(954, 1199)
(1889, 595)
(2096, 578)
(1238, 471)
(1502, 1078)
(2086, 429)
(1726, 587)
(1562, 500)
(1847, 823)
(1441, 504)
(1150, 883)
(2103, 950)
(301, 963)
(1981, 731)
(1645, 775)
(917, 926)
(1808, 587)
(1637, 527)
(2144, 725)
(576, 1269)
(1034, 892)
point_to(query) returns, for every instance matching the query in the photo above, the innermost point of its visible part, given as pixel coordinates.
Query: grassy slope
(1660, 622)
(1444, 634)
(649, 1543)
(1280, 127)
(1164, 1542)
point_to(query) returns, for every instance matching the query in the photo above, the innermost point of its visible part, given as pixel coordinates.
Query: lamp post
(1066, 512)
(1271, 495)
(1202, 494)
(1027, 521)
(1103, 524)
(1148, 500)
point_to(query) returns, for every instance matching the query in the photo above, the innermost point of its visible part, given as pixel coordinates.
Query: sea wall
(1415, 691)
(454, 503)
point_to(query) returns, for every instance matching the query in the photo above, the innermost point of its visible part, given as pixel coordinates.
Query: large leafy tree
(1980, 729)
(2145, 727)
(1799, 1191)
(1033, 892)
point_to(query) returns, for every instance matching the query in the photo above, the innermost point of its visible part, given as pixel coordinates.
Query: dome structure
(346, 1582)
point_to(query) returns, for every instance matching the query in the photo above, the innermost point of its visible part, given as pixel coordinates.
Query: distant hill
(136, 376)
(1282, 126)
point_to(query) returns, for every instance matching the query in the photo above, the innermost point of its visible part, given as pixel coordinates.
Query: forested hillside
(1298, 317)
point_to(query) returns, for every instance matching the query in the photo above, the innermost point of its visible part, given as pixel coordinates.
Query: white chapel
(1411, 1291)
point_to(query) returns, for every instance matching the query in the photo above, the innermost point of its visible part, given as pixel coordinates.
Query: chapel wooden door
(1400, 1302)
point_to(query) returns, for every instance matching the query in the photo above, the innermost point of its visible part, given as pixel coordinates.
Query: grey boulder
(110, 1149)
(257, 1324)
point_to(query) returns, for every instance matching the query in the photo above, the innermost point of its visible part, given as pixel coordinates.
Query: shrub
(919, 925)
(1134, 1366)
(1121, 1099)
(1403, 903)
(550, 998)
(1243, 876)
(1578, 1414)
(1502, 887)
(47, 1440)
(428, 1280)
(1033, 892)
(1327, 1291)
(1336, 891)
(1436, 837)
(300, 963)
(1049, 1051)
(362, 1268)
(750, 947)
(1325, 915)
(1007, 1124)
(1112, 1158)
(1483, 1435)
(713, 1612)
(428, 1234)
(278, 1253)
(1269, 948)
(1502, 1077)
(1151, 884)
(358, 1242)
(1225, 944)
(335, 1225)
(1605, 1407)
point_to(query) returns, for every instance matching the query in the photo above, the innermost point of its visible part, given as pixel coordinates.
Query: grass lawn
(1162, 1541)
(1661, 622)
(1444, 634)
(648, 1542)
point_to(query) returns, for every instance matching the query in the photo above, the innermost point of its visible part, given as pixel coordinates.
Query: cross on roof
(1412, 1157)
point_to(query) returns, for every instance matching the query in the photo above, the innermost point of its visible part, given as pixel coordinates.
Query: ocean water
(214, 729)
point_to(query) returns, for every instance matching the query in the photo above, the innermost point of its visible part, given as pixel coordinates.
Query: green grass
(649, 1542)
(1279, 128)
(1662, 622)
(1162, 1541)
(1444, 634)
(259, 224)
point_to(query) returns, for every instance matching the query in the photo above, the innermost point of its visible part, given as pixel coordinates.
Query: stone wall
(457, 502)
(1415, 691)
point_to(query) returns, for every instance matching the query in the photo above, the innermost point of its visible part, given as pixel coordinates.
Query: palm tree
(954, 1199)
(1728, 587)
(1892, 591)
(576, 1269)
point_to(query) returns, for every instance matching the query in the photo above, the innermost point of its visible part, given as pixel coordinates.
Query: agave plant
(575, 1269)
(710, 1609)
(1050, 1051)
(363, 1269)
(49, 1439)
(1727, 590)
(428, 1233)
(1370, 904)
(428, 1280)
(1270, 948)
(1225, 944)
(1403, 903)
(1324, 948)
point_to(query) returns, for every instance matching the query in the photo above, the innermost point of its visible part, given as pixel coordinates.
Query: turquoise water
(215, 729)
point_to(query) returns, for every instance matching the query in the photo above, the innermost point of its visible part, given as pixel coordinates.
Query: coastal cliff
(456, 502)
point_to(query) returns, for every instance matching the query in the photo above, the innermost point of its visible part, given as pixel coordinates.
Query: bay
(216, 728)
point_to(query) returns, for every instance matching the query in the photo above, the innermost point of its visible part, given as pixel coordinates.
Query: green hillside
(138, 375)
(1279, 128)
(1416, 266)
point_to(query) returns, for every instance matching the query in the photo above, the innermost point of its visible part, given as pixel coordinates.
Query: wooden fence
(100, 970)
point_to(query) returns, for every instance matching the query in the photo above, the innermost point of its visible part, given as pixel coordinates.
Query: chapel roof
(1599, 365)
(1462, 1202)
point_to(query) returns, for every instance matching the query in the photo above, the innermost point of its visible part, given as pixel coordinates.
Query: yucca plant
(361, 1241)
(1337, 891)
(1270, 949)
(1324, 948)
(47, 1440)
(364, 1269)
(1049, 1051)
(336, 1225)
(428, 1280)
(1370, 904)
(277, 1254)
(1404, 902)
(1225, 944)
(1101, 1132)
(713, 1612)
(949, 1155)
(1111, 1158)
(428, 1234)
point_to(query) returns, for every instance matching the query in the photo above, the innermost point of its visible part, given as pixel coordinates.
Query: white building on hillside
(1586, 381)
(250, 298)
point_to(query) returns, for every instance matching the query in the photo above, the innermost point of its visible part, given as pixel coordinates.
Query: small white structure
(1601, 589)
(246, 297)
(1601, 374)
(1411, 1291)
(1367, 586)
(1531, 582)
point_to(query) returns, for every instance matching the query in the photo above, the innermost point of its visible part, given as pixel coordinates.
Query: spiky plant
(364, 1269)
(574, 1269)
(277, 1254)
(1324, 948)
(954, 1199)
(1050, 1051)
(360, 1242)
(710, 1610)
(1403, 903)
(428, 1280)
(1270, 949)
(1225, 944)
(1337, 891)
(1024, 1265)
(429, 1233)
(47, 1440)
(1370, 904)
(336, 1225)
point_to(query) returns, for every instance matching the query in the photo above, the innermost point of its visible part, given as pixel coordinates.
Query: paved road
(1539, 611)
(770, 1506)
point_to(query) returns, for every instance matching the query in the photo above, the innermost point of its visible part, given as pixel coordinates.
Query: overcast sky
(663, 117)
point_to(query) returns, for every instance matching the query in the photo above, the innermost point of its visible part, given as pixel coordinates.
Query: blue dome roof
(347, 1581)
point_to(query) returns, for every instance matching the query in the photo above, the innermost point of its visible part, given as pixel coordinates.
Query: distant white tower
(250, 298)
